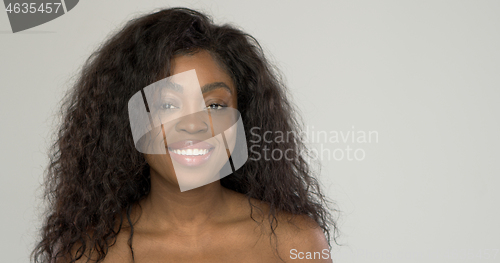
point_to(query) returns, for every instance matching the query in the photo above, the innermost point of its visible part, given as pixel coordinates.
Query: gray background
(423, 74)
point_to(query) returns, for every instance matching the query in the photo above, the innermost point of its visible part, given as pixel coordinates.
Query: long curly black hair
(95, 171)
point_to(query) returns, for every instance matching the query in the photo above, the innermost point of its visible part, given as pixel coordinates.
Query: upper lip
(190, 144)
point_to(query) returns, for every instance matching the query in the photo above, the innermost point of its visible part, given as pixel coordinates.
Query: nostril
(191, 125)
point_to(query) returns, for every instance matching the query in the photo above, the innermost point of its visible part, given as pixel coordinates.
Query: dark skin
(209, 223)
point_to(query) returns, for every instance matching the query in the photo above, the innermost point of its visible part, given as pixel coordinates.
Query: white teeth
(191, 152)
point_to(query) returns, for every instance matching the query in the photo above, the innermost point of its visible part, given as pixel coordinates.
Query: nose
(193, 123)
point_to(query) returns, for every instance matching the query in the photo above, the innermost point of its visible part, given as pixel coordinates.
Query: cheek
(235, 102)
(231, 137)
(152, 142)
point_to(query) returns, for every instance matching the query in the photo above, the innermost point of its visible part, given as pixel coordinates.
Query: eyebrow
(215, 85)
(206, 88)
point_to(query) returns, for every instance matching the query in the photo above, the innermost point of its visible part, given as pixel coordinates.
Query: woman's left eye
(215, 106)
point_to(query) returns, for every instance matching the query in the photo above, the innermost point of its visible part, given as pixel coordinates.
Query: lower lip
(191, 160)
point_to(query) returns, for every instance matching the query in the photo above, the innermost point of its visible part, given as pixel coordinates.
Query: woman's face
(197, 111)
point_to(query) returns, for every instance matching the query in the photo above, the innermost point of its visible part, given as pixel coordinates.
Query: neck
(166, 207)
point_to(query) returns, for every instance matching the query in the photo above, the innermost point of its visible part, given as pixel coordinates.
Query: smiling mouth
(191, 152)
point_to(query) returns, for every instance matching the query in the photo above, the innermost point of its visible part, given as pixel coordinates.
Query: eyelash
(219, 106)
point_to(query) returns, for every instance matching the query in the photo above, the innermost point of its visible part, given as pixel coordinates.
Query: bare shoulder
(76, 253)
(301, 238)
(293, 228)
(116, 252)
(297, 236)
(300, 228)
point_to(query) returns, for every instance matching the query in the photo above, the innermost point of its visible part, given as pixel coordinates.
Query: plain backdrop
(424, 75)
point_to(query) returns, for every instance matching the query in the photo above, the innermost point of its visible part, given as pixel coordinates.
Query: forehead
(207, 68)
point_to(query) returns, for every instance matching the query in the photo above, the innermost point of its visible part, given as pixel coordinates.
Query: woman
(113, 201)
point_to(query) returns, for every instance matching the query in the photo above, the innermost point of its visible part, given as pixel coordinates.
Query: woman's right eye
(168, 106)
